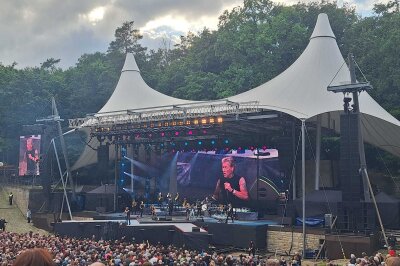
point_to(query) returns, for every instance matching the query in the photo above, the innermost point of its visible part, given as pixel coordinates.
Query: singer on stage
(231, 188)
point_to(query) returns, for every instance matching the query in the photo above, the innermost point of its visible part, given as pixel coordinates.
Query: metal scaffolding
(166, 113)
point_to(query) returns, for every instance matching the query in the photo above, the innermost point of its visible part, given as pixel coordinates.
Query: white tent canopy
(132, 92)
(300, 91)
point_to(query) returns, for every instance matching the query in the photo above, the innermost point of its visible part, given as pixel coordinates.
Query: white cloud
(33, 30)
(96, 14)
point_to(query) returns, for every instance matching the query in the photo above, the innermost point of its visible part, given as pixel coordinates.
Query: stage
(199, 233)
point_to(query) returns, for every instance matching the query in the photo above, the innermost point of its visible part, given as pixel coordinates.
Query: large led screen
(230, 178)
(29, 155)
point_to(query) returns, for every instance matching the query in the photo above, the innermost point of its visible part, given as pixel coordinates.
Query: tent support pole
(116, 176)
(294, 192)
(62, 179)
(318, 153)
(303, 180)
(64, 151)
(368, 192)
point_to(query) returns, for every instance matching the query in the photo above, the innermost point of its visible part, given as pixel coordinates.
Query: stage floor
(174, 219)
(143, 222)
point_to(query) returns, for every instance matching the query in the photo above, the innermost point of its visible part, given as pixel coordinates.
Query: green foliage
(126, 40)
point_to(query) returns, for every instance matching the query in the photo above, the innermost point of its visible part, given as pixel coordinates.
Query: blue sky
(32, 31)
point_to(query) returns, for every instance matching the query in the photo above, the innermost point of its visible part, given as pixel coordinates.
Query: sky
(32, 31)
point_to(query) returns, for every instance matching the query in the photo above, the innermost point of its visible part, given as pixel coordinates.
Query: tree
(126, 40)
(50, 64)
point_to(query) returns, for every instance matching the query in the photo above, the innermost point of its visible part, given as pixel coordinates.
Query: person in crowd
(282, 261)
(153, 211)
(187, 210)
(392, 241)
(229, 213)
(231, 188)
(392, 261)
(353, 259)
(160, 199)
(34, 257)
(10, 198)
(134, 206)
(252, 248)
(170, 207)
(127, 213)
(28, 215)
(3, 224)
(141, 209)
(198, 208)
(176, 201)
(296, 259)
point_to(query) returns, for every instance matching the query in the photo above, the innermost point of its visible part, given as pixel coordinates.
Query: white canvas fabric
(132, 92)
(300, 91)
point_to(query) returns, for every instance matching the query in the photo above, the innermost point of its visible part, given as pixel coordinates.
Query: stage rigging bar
(181, 112)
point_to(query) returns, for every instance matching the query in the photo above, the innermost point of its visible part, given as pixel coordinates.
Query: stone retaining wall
(283, 240)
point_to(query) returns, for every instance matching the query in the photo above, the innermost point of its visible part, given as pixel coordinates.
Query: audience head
(34, 257)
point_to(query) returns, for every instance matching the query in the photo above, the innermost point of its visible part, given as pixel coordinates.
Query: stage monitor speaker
(196, 229)
(164, 218)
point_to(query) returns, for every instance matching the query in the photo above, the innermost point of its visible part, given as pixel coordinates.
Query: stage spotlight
(190, 132)
(196, 122)
(226, 141)
(176, 133)
(220, 119)
(204, 120)
(162, 134)
(213, 142)
(212, 120)
(186, 143)
(199, 142)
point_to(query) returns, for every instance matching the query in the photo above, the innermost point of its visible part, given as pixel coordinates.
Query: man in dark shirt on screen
(231, 188)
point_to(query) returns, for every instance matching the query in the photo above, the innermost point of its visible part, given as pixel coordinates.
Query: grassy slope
(16, 220)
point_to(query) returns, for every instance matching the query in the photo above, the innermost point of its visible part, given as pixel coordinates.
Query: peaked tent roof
(301, 91)
(132, 92)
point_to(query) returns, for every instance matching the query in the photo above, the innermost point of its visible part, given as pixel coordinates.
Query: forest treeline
(253, 43)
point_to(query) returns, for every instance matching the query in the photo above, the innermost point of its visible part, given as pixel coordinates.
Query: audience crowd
(70, 251)
(379, 259)
(37, 249)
